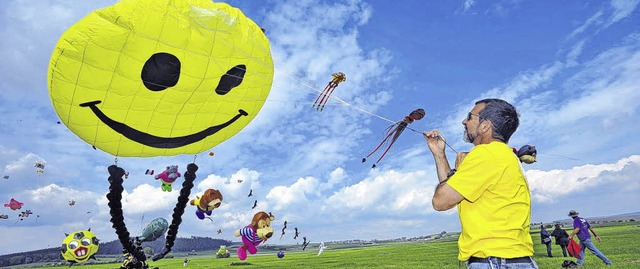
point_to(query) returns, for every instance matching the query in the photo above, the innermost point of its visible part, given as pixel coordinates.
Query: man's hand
(598, 238)
(435, 141)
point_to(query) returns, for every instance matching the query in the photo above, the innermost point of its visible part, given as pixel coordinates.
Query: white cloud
(468, 4)
(622, 9)
(299, 192)
(389, 192)
(548, 186)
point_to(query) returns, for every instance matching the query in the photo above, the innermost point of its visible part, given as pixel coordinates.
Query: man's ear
(486, 126)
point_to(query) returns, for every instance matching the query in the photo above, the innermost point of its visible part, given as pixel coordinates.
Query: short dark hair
(503, 116)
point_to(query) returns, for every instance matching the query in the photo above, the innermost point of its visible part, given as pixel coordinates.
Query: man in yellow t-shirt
(489, 188)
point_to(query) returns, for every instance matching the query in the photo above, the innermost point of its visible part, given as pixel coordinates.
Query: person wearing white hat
(581, 228)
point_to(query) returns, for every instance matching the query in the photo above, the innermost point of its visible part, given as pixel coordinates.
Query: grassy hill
(619, 244)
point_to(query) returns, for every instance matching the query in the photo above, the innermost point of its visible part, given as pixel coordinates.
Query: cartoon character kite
(79, 246)
(210, 200)
(328, 90)
(168, 176)
(526, 154)
(14, 204)
(394, 133)
(252, 235)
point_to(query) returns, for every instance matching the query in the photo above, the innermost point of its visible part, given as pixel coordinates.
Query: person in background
(489, 189)
(562, 238)
(186, 260)
(581, 228)
(545, 236)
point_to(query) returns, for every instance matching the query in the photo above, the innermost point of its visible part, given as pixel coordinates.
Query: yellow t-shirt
(496, 211)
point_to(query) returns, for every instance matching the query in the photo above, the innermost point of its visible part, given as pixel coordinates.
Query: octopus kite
(328, 90)
(394, 133)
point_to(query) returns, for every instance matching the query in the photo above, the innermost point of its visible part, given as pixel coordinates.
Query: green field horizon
(619, 244)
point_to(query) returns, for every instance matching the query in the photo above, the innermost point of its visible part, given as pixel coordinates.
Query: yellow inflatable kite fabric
(79, 246)
(148, 78)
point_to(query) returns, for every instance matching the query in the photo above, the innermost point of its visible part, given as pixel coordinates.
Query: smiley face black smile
(156, 141)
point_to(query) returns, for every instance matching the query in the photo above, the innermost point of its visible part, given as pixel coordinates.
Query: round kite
(160, 77)
(79, 246)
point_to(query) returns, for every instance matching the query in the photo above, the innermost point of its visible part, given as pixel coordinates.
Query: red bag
(574, 249)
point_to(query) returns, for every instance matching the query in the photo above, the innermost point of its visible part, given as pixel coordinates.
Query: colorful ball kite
(160, 77)
(79, 246)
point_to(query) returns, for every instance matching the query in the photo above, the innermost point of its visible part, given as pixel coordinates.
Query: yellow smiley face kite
(160, 77)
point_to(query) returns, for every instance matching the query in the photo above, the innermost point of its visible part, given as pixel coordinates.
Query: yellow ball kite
(148, 78)
(79, 246)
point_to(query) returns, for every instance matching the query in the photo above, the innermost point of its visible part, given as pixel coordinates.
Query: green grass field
(620, 245)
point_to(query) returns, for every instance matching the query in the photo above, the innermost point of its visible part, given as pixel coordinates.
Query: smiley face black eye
(231, 79)
(161, 71)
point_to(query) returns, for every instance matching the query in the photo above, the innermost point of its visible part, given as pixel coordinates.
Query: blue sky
(571, 68)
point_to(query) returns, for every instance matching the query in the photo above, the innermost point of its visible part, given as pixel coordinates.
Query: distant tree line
(194, 243)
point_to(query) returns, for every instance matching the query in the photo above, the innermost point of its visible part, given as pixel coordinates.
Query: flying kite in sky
(195, 75)
(295, 234)
(219, 231)
(14, 204)
(154, 230)
(25, 214)
(168, 176)
(79, 246)
(4, 216)
(255, 204)
(394, 131)
(283, 228)
(324, 96)
(72, 202)
(305, 243)
(6, 177)
(254, 234)
(210, 200)
(39, 165)
(526, 154)
(250, 193)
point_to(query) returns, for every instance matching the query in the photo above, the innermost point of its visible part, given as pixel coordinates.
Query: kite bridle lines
(117, 219)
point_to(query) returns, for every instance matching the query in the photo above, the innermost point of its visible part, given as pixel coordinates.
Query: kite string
(316, 89)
